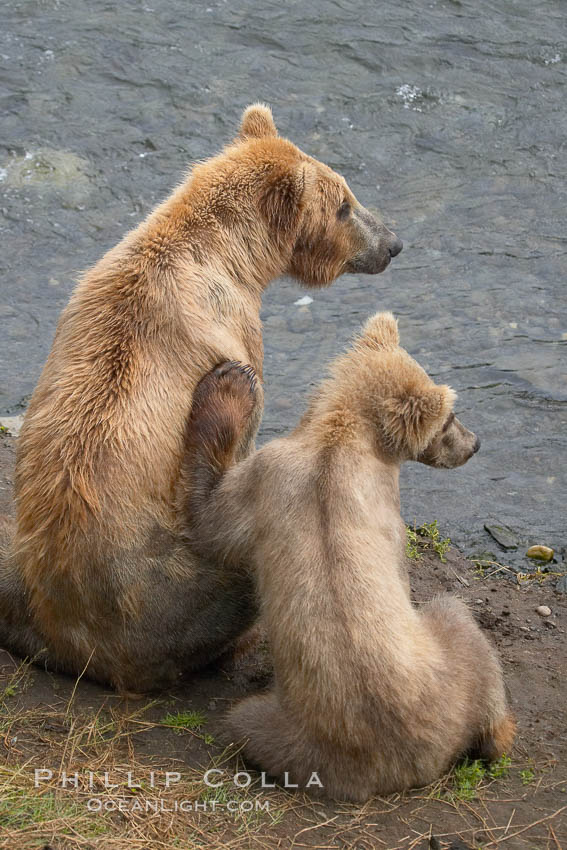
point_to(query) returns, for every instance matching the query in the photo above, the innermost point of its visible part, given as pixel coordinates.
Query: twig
(530, 825)
(315, 826)
(79, 677)
(553, 835)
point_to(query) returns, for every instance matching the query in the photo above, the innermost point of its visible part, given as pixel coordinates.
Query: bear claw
(224, 370)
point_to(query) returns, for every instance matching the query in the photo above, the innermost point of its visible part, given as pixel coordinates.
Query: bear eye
(343, 211)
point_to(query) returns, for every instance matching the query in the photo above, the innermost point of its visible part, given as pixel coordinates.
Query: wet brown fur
(371, 693)
(96, 564)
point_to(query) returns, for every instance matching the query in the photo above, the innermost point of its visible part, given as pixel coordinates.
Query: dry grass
(93, 790)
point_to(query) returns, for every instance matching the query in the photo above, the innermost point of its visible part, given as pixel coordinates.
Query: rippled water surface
(450, 117)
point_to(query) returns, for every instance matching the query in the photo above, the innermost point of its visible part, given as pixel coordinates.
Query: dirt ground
(83, 739)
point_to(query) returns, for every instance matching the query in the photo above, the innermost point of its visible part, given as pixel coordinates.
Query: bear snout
(377, 245)
(380, 243)
(396, 246)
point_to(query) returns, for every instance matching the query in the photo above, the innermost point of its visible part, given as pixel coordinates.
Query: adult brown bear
(97, 569)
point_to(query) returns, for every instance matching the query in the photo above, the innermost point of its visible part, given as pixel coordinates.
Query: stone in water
(540, 553)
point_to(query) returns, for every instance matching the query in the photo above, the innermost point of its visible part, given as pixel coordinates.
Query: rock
(561, 585)
(12, 424)
(540, 553)
(46, 168)
(543, 611)
(504, 536)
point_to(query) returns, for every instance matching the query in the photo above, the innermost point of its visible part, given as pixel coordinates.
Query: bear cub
(372, 694)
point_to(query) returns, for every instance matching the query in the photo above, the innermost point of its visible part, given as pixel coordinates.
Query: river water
(450, 117)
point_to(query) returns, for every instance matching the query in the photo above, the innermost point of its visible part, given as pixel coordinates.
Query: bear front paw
(224, 400)
(235, 378)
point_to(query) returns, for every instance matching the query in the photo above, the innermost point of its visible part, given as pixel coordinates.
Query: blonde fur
(370, 693)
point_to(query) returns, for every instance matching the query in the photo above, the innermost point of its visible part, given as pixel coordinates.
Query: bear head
(309, 209)
(414, 416)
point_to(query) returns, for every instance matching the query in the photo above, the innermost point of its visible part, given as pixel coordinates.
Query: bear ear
(257, 123)
(411, 421)
(284, 195)
(381, 332)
